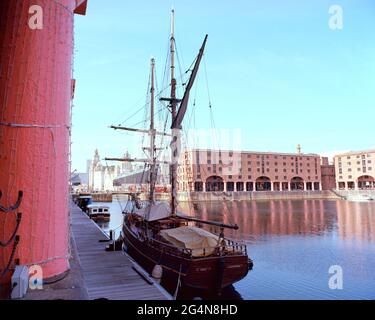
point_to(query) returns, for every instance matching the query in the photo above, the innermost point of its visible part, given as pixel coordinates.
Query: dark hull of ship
(204, 277)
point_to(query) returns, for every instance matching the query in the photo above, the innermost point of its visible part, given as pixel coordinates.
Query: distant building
(328, 174)
(80, 179)
(139, 180)
(101, 176)
(79, 182)
(88, 165)
(355, 170)
(220, 170)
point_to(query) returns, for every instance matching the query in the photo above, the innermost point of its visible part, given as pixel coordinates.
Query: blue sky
(275, 71)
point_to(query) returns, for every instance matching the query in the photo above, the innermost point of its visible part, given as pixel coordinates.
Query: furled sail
(201, 242)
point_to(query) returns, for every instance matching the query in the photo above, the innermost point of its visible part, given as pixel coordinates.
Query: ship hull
(206, 276)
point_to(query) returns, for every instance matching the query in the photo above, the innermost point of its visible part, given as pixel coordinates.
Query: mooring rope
(178, 284)
(5, 244)
(38, 126)
(15, 244)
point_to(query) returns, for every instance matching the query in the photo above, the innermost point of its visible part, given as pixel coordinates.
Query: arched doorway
(214, 183)
(239, 186)
(296, 184)
(198, 186)
(263, 184)
(249, 186)
(366, 182)
(230, 186)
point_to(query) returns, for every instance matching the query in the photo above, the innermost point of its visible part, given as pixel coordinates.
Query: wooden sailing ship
(182, 256)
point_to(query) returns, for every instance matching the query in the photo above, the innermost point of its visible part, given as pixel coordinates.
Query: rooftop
(355, 153)
(258, 152)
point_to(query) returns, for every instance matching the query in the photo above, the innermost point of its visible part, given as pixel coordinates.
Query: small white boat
(98, 212)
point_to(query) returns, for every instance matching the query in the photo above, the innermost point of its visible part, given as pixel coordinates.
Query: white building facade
(355, 170)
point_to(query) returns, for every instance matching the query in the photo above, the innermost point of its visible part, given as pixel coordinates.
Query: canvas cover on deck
(193, 238)
(158, 210)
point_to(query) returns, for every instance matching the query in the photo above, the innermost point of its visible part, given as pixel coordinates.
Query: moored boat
(83, 200)
(173, 247)
(98, 212)
(191, 258)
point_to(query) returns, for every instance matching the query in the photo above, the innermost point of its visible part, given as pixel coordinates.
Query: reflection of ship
(228, 293)
(161, 240)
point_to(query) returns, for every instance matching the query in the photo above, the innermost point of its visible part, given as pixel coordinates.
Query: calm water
(293, 244)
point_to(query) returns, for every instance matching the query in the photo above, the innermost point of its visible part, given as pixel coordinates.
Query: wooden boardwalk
(107, 274)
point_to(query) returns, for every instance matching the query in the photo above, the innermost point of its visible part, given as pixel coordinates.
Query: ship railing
(170, 248)
(232, 246)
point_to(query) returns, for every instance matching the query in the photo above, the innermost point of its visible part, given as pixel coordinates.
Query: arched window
(263, 184)
(296, 184)
(366, 182)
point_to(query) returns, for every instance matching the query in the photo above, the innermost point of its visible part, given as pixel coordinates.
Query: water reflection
(280, 217)
(268, 218)
(356, 220)
(293, 244)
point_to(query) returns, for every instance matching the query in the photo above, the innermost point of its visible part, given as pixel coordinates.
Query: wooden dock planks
(107, 274)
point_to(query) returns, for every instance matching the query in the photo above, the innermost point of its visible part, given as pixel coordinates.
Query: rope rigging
(215, 139)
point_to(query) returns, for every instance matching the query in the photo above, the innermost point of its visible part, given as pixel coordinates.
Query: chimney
(298, 148)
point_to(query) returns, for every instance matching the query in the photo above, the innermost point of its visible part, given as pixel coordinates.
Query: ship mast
(173, 80)
(173, 101)
(177, 117)
(152, 135)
